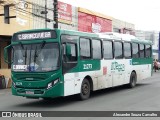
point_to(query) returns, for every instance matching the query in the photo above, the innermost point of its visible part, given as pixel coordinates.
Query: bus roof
(80, 33)
(64, 31)
(104, 35)
(122, 37)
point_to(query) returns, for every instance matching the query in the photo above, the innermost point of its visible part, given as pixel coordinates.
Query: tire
(47, 99)
(133, 80)
(85, 90)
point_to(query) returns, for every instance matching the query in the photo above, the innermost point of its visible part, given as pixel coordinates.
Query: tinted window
(142, 51)
(85, 48)
(108, 49)
(135, 50)
(148, 50)
(97, 49)
(118, 50)
(127, 50)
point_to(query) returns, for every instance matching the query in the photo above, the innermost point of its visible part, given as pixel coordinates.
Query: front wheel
(85, 90)
(133, 80)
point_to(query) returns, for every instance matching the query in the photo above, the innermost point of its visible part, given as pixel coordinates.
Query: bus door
(118, 64)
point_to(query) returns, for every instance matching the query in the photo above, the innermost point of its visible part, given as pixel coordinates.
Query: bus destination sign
(34, 35)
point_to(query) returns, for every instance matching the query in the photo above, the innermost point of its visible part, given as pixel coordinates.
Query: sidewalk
(5, 91)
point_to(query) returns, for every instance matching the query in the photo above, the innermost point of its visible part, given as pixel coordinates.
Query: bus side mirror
(68, 50)
(7, 54)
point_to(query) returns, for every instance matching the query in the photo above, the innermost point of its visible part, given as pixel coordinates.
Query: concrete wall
(22, 21)
(6, 72)
(3, 64)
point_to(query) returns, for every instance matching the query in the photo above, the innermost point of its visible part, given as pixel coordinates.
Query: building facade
(22, 21)
(67, 15)
(124, 27)
(152, 36)
(30, 14)
(90, 21)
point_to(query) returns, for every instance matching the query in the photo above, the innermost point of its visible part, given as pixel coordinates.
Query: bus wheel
(85, 90)
(47, 99)
(133, 80)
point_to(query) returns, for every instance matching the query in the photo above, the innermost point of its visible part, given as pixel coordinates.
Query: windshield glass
(36, 57)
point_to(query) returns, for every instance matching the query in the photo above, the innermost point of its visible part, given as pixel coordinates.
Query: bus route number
(87, 66)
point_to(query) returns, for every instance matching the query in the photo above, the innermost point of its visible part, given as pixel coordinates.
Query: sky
(145, 14)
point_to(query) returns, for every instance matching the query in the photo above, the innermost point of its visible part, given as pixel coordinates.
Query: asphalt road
(144, 97)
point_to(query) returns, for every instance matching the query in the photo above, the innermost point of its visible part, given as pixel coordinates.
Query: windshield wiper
(37, 53)
(25, 55)
(21, 45)
(42, 46)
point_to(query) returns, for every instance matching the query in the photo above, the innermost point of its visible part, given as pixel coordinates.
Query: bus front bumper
(53, 92)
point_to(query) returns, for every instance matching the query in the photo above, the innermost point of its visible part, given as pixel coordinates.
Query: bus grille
(31, 77)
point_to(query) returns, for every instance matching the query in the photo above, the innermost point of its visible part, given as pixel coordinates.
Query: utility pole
(55, 13)
(45, 13)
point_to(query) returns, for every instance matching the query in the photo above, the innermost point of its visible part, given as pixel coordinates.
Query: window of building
(97, 49)
(127, 50)
(85, 48)
(108, 49)
(118, 50)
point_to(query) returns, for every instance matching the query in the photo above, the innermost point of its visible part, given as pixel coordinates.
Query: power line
(42, 17)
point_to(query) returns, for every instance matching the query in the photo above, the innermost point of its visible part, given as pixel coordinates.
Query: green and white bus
(49, 63)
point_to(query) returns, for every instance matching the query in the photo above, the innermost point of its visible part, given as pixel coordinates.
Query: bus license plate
(30, 92)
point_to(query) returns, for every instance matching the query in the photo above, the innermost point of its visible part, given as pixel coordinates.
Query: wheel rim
(85, 89)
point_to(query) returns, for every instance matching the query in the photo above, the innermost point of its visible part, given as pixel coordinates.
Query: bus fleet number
(87, 66)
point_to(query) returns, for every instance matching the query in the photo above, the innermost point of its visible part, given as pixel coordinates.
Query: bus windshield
(36, 57)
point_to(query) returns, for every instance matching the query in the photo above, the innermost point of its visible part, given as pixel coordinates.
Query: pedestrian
(155, 65)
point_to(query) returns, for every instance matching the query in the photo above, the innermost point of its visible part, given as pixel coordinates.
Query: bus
(49, 63)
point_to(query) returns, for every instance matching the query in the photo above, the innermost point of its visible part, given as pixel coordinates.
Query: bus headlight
(51, 84)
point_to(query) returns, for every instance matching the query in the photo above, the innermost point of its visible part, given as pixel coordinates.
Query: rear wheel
(85, 90)
(133, 80)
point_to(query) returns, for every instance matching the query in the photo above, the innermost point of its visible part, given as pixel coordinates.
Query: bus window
(127, 50)
(85, 48)
(148, 50)
(118, 50)
(108, 49)
(135, 50)
(73, 56)
(142, 52)
(97, 49)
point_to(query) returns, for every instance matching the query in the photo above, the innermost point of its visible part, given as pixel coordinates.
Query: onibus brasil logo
(115, 66)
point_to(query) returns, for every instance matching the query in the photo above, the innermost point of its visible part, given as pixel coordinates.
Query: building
(67, 15)
(152, 36)
(23, 20)
(29, 14)
(123, 27)
(90, 21)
